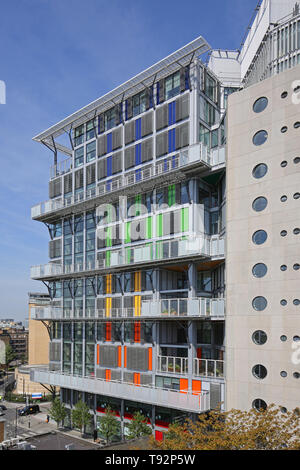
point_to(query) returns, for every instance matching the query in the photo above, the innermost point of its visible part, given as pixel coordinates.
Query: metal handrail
(209, 367)
(172, 364)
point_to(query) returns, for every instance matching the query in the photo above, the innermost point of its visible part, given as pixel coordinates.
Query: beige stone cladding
(282, 362)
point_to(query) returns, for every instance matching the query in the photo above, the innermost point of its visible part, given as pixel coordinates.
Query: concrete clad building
(166, 217)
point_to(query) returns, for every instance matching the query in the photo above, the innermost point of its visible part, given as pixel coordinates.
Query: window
(283, 198)
(139, 103)
(283, 302)
(259, 270)
(90, 129)
(260, 170)
(296, 375)
(259, 204)
(259, 404)
(296, 266)
(204, 136)
(259, 237)
(296, 302)
(297, 125)
(79, 155)
(79, 135)
(259, 371)
(91, 151)
(259, 303)
(284, 94)
(283, 164)
(260, 105)
(283, 338)
(296, 338)
(260, 138)
(283, 233)
(283, 373)
(297, 160)
(259, 337)
(172, 85)
(283, 267)
(284, 129)
(109, 119)
(296, 231)
(296, 196)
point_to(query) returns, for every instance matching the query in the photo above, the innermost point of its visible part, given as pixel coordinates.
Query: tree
(57, 411)
(81, 416)
(109, 425)
(269, 429)
(138, 426)
(9, 355)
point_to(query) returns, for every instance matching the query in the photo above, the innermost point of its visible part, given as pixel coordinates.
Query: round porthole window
(259, 237)
(297, 125)
(283, 373)
(283, 198)
(283, 233)
(296, 375)
(297, 160)
(283, 163)
(283, 302)
(296, 266)
(283, 267)
(259, 204)
(284, 129)
(296, 338)
(259, 404)
(259, 303)
(296, 231)
(260, 138)
(259, 270)
(260, 104)
(259, 337)
(284, 94)
(259, 170)
(259, 371)
(283, 338)
(296, 302)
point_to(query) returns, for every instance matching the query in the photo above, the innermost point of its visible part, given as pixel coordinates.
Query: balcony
(161, 309)
(161, 171)
(61, 168)
(186, 400)
(202, 246)
(209, 368)
(172, 365)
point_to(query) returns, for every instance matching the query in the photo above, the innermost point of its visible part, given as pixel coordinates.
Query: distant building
(17, 338)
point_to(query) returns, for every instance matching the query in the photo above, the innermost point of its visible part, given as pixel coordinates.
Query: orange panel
(108, 331)
(137, 378)
(119, 356)
(97, 353)
(137, 332)
(107, 374)
(196, 386)
(125, 356)
(199, 353)
(184, 385)
(150, 358)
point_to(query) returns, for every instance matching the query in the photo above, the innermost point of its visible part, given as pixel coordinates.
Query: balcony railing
(173, 365)
(165, 308)
(194, 154)
(209, 368)
(201, 245)
(61, 168)
(188, 400)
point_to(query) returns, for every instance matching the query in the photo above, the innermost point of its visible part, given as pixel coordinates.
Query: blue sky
(57, 56)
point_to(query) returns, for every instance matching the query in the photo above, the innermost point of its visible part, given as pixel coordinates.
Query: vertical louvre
(182, 78)
(161, 90)
(182, 107)
(129, 108)
(162, 144)
(129, 132)
(55, 187)
(102, 169)
(102, 145)
(162, 117)
(147, 124)
(79, 179)
(147, 150)
(215, 395)
(117, 138)
(55, 248)
(117, 163)
(68, 183)
(182, 136)
(118, 111)
(91, 174)
(101, 127)
(129, 157)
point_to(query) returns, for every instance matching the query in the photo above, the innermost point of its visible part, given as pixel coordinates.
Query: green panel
(149, 228)
(127, 232)
(138, 200)
(107, 254)
(185, 219)
(159, 226)
(108, 237)
(171, 195)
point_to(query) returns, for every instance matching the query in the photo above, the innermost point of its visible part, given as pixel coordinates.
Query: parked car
(29, 410)
(2, 413)
(3, 408)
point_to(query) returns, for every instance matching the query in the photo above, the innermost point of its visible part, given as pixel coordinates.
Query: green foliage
(9, 355)
(80, 415)
(57, 411)
(269, 429)
(109, 425)
(138, 426)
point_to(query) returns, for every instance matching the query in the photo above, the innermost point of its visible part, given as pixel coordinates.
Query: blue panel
(157, 93)
(174, 112)
(170, 122)
(170, 141)
(109, 143)
(109, 166)
(138, 154)
(173, 140)
(108, 185)
(138, 174)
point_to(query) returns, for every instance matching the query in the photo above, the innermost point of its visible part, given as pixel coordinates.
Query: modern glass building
(138, 217)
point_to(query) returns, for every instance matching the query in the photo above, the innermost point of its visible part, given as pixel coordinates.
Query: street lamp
(16, 427)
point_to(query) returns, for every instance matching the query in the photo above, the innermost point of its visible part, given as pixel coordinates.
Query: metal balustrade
(197, 153)
(209, 368)
(173, 365)
(61, 168)
(201, 245)
(164, 308)
(197, 402)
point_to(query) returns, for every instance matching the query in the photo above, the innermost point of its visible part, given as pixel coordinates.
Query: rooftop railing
(194, 154)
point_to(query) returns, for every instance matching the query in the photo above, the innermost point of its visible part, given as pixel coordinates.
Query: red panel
(159, 436)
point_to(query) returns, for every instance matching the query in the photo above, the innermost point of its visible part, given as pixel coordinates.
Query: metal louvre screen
(129, 157)
(55, 366)
(117, 138)
(54, 249)
(55, 188)
(115, 375)
(91, 174)
(147, 124)
(147, 150)
(102, 145)
(128, 377)
(129, 132)
(183, 107)
(161, 144)
(108, 356)
(79, 179)
(102, 169)
(146, 379)
(100, 373)
(68, 183)
(215, 395)
(162, 117)
(54, 351)
(137, 358)
(117, 162)
(182, 136)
